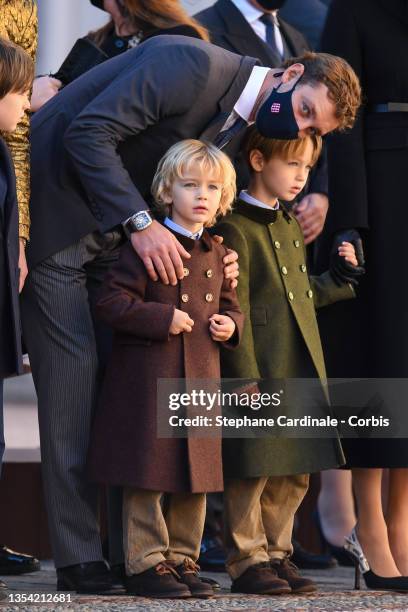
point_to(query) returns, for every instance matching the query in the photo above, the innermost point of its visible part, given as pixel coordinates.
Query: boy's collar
(261, 215)
(189, 243)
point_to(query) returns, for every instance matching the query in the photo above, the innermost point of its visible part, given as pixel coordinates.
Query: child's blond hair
(176, 163)
(282, 149)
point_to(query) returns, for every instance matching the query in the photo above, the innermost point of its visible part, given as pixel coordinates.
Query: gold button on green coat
(277, 244)
(291, 296)
(284, 270)
(296, 243)
(209, 297)
(184, 298)
(310, 293)
(209, 273)
(303, 268)
(186, 271)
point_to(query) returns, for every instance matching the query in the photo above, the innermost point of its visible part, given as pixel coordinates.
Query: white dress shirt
(244, 195)
(182, 230)
(253, 15)
(246, 101)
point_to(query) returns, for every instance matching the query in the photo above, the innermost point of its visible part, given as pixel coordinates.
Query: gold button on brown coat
(125, 448)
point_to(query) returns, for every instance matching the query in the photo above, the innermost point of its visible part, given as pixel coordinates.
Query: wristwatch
(137, 222)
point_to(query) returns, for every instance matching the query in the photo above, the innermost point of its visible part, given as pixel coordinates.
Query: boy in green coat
(267, 478)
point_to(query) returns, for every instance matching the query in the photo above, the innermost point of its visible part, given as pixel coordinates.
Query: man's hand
(230, 262)
(44, 88)
(22, 265)
(221, 327)
(311, 213)
(181, 323)
(160, 252)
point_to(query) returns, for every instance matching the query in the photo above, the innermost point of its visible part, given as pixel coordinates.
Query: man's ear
(292, 74)
(256, 160)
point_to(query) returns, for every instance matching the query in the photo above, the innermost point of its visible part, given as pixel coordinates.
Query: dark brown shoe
(189, 575)
(161, 582)
(260, 579)
(288, 571)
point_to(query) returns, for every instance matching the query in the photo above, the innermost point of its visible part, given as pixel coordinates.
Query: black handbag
(83, 56)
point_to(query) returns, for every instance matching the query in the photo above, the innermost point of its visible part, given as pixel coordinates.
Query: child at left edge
(170, 332)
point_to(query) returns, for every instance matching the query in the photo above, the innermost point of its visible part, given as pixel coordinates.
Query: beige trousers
(152, 534)
(259, 515)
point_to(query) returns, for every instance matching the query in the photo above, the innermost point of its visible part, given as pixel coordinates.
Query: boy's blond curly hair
(176, 163)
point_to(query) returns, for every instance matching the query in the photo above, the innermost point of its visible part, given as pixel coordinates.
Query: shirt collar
(247, 99)
(246, 197)
(250, 13)
(182, 230)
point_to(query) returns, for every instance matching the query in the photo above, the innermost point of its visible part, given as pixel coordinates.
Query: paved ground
(335, 594)
(335, 586)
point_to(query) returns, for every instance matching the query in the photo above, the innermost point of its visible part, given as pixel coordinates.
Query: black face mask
(120, 3)
(276, 119)
(271, 5)
(98, 4)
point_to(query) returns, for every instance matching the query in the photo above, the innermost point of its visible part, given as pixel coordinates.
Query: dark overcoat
(281, 338)
(10, 328)
(125, 449)
(368, 170)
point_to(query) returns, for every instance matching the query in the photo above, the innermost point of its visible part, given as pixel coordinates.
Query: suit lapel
(241, 36)
(214, 126)
(294, 44)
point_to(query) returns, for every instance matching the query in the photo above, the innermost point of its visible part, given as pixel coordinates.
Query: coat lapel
(241, 36)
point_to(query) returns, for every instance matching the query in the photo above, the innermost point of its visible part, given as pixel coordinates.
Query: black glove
(341, 270)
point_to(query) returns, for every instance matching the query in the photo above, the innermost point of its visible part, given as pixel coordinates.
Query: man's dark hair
(339, 78)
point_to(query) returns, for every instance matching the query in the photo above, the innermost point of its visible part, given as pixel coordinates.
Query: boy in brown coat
(165, 331)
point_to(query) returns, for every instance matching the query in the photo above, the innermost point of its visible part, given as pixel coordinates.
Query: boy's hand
(345, 266)
(347, 250)
(230, 262)
(221, 327)
(181, 323)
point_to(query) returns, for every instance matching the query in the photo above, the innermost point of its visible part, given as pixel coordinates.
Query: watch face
(141, 220)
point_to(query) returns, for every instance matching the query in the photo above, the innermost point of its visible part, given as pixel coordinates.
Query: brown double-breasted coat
(124, 448)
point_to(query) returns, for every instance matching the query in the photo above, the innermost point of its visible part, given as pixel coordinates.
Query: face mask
(123, 10)
(276, 119)
(98, 4)
(271, 5)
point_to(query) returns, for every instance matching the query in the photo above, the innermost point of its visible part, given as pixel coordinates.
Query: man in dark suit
(95, 148)
(254, 27)
(308, 16)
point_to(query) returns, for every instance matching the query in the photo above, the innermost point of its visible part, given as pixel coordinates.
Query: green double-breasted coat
(281, 337)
